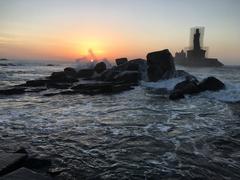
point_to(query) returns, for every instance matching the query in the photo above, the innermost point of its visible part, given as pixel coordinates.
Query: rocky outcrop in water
(191, 87)
(127, 74)
(160, 65)
(211, 84)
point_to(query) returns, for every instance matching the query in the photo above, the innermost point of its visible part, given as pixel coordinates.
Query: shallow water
(138, 134)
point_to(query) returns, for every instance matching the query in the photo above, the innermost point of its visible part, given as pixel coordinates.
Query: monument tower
(197, 53)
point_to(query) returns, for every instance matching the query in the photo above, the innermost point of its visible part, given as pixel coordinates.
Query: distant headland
(4, 59)
(196, 55)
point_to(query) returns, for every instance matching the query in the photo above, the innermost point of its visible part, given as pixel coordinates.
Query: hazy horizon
(66, 30)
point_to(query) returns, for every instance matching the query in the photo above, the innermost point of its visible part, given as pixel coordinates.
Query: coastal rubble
(99, 79)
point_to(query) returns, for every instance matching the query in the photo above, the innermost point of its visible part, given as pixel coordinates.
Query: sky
(69, 29)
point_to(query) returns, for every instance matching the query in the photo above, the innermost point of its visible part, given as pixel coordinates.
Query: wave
(230, 94)
(84, 63)
(168, 84)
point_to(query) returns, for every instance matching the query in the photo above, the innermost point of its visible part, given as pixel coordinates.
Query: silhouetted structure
(196, 56)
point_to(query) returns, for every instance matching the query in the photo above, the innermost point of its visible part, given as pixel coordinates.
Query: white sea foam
(84, 63)
(230, 94)
(163, 84)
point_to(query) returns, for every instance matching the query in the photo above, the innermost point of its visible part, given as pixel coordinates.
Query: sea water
(137, 134)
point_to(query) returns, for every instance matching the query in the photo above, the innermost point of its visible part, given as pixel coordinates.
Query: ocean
(136, 134)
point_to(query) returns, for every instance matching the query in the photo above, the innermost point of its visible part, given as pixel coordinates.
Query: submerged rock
(176, 95)
(160, 65)
(12, 91)
(121, 61)
(211, 84)
(36, 83)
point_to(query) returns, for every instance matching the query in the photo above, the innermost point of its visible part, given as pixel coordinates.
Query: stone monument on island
(196, 55)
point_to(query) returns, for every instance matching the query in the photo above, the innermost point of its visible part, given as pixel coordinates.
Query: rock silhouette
(121, 61)
(100, 67)
(100, 80)
(160, 65)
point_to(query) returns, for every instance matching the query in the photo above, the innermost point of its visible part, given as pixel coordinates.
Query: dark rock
(59, 85)
(36, 163)
(56, 171)
(12, 91)
(102, 88)
(50, 65)
(22, 150)
(100, 67)
(85, 73)
(128, 77)
(132, 65)
(176, 95)
(62, 77)
(211, 84)
(182, 73)
(69, 71)
(187, 87)
(24, 174)
(36, 83)
(109, 74)
(160, 65)
(121, 61)
(4, 59)
(11, 161)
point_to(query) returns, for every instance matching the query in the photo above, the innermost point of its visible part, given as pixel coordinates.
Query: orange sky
(66, 30)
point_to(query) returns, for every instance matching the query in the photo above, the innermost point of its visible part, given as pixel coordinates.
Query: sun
(93, 50)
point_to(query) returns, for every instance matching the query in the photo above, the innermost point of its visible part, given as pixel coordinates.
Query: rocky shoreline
(125, 76)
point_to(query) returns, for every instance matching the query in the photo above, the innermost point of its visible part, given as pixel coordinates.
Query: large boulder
(100, 67)
(132, 65)
(69, 71)
(121, 61)
(189, 86)
(211, 84)
(160, 65)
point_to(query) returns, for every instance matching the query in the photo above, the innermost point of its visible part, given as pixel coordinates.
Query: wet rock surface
(211, 84)
(18, 165)
(24, 174)
(191, 86)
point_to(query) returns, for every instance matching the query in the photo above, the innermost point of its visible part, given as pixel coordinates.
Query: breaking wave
(230, 94)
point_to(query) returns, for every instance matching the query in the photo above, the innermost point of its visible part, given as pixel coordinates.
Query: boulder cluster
(124, 76)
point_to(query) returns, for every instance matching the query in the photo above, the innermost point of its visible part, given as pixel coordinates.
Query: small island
(196, 56)
(4, 59)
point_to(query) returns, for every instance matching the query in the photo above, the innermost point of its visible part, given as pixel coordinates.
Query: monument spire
(196, 40)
